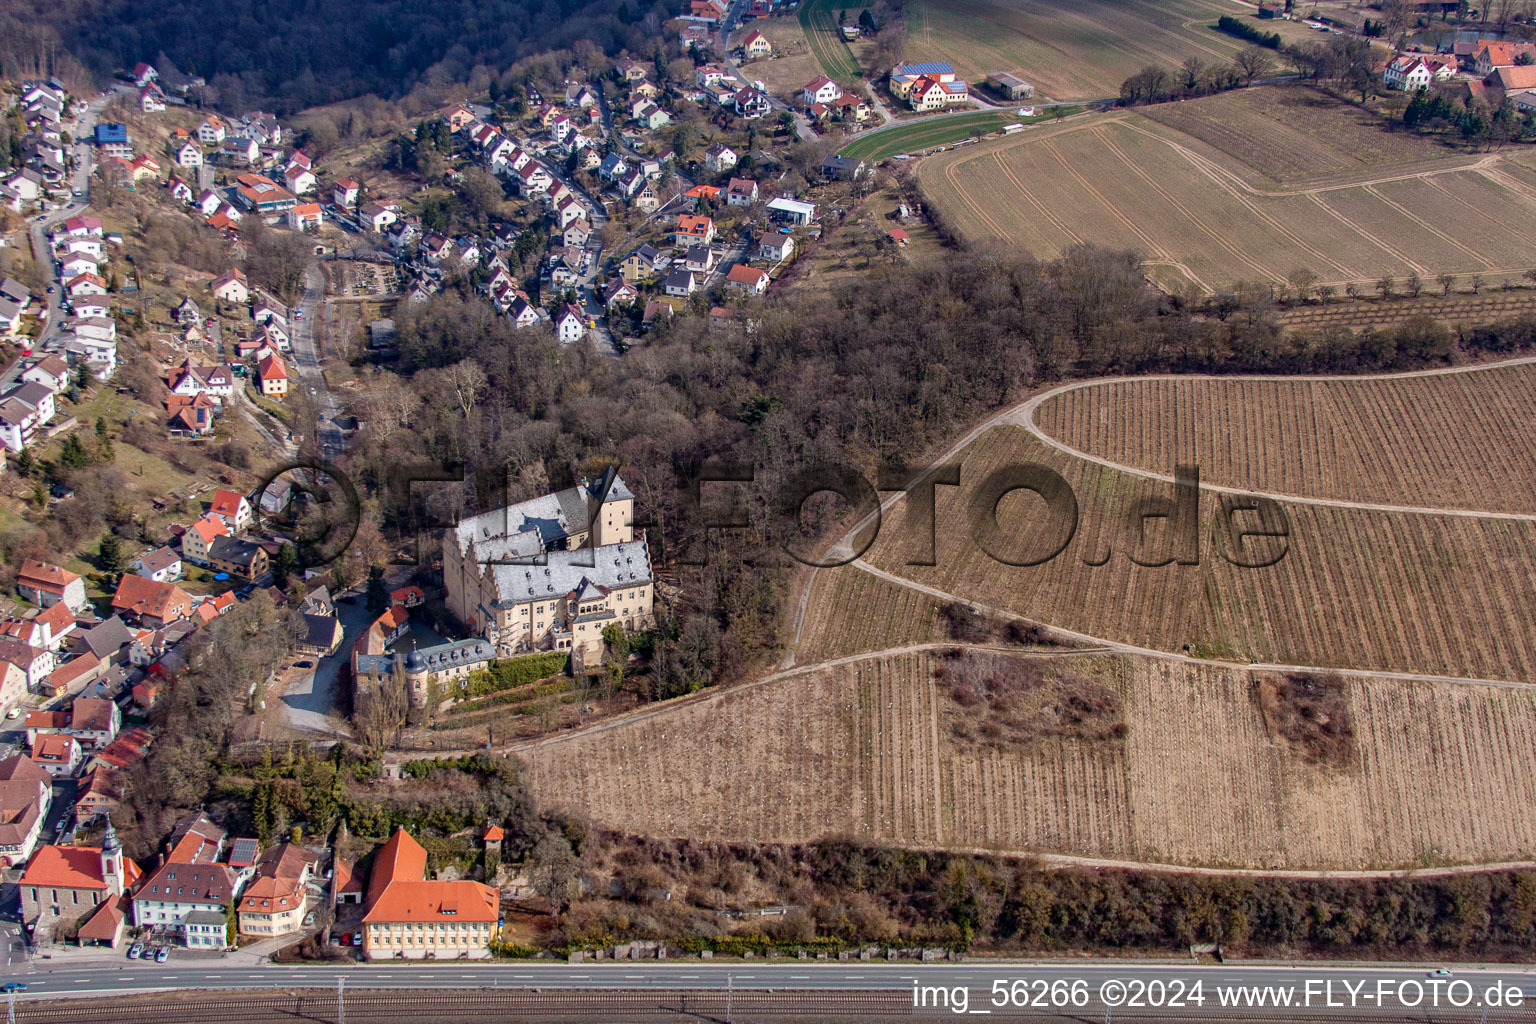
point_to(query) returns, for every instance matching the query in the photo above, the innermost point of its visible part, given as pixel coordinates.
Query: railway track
(319, 1006)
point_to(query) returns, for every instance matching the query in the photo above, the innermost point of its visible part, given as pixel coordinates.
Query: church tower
(112, 861)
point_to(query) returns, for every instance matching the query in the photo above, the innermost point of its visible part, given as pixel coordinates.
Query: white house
(820, 90)
(570, 325)
(231, 287)
(720, 158)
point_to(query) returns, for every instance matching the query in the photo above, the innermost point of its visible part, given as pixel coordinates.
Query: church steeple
(112, 861)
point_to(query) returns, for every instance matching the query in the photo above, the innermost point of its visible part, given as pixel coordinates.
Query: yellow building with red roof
(410, 917)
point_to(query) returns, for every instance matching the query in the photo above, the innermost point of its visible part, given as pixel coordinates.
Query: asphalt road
(976, 979)
(306, 359)
(39, 228)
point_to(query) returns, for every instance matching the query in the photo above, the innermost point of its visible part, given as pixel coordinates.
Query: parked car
(134, 951)
(162, 954)
(303, 664)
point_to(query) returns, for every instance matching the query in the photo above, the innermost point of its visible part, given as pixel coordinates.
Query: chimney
(160, 861)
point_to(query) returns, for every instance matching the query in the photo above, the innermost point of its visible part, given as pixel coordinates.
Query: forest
(288, 56)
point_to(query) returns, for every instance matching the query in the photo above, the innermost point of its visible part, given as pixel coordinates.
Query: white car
(1440, 972)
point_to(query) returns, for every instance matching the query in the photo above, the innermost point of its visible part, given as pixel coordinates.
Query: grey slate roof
(106, 639)
(616, 565)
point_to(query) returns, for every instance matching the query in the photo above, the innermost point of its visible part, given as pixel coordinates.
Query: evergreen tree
(74, 454)
(378, 594)
(283, 565)
(110, 554)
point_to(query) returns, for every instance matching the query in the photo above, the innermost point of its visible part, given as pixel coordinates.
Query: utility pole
(730, 995)
(10, 1007)
(341, 1009)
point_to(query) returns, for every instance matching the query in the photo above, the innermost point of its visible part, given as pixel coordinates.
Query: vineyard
(1408, 592)
(1457, 308)
(852, 612)
(862, 750)
(1199, 221)
(1448, 440)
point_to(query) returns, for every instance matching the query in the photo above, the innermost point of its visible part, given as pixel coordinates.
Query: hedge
(512, 672)
(1236, 27)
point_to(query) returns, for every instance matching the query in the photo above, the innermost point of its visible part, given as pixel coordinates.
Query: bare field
(1383, 591)
(861, 750)
(1458, 308)
(792, 65)
(1082, 50)
(851, 612)
(1450, 440)
(1393, 208)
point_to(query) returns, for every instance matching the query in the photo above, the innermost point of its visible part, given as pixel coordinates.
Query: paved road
(183, 971)
(306, 358)
(38, 230)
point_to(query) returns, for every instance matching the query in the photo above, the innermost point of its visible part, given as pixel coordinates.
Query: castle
(552, 572)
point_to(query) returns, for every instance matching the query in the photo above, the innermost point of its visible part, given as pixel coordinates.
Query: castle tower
(112, 861)
(416, 680)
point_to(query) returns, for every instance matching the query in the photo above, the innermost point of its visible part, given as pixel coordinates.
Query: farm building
(1011, 86)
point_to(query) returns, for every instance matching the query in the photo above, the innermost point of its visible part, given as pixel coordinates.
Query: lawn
(916, 136)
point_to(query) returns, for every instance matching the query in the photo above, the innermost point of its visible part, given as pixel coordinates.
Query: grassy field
(1201, 218)
(1081, 50)
(1364, 589)
(818, 18)
(916, 136)
(865, 751)
(1448, 440)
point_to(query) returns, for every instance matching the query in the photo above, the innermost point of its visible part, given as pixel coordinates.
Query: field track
(826, 41)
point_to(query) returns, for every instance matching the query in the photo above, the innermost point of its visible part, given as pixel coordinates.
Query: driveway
(311, 697)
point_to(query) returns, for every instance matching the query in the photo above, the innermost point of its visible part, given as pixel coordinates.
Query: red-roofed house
(197, 541)
(747, 279)
(46, 585)
(273, 377)
(56, 754)
(232, 508)
(151, 604)
(410, 917)
(693, 229)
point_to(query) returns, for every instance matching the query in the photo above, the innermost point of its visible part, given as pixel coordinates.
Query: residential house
(305, 217)
(94, 722)
(197, 540)
(570, 325)
(231, 508)
(57, 754)
(241, 152)
(322, 635)
(680, 282)
(46, 585)
(700, 259)
(50, 371)
(231, 287)
(149, 603)
(212, 131)
(1514, 80)
(410, 917)
(618, 292)
(273, 377)
(97, 794)
(1496, 54)
(189, 417)
(843, 168)
(344, 193)
(274, 903)
(299, 178)
(775, 246)
(741, 192)
(376, 216)
(720, 158)
(163, 565)
(756, 45)
(693, 229)
(752, 103)
(820, 90)
(186, 902)
(112, 141)
(1411, 73)
(26, 793)
(258, 193)
(929, 93)
(82, 285)
(641, 264)
(238, 557)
